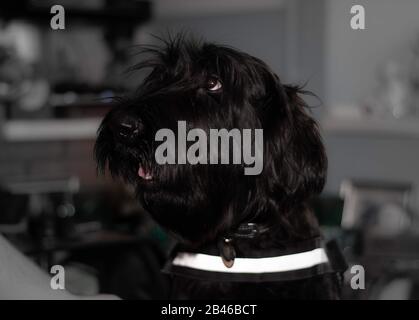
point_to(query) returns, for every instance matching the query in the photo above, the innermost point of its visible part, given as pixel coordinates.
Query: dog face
(212, 87)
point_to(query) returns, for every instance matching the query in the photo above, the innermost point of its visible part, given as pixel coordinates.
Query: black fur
(201, 203)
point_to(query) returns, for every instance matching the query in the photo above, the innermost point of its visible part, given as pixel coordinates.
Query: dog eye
(214, 84)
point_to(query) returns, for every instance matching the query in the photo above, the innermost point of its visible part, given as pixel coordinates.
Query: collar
(303, 260)
(248, 231)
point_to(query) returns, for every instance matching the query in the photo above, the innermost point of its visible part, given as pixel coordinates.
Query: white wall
(352, 58)
(259, 33)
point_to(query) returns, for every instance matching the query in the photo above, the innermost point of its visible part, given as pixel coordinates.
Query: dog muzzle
(301, 261)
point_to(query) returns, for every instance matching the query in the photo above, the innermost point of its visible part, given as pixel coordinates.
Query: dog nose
(127, 129)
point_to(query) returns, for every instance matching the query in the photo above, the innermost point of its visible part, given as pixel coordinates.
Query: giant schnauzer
(240, 235)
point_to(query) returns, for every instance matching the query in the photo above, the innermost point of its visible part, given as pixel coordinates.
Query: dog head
(211, 86)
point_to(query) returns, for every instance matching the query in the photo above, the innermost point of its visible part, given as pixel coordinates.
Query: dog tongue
(144, 174)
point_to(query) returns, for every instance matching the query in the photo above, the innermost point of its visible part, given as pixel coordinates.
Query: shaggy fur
(199, 204)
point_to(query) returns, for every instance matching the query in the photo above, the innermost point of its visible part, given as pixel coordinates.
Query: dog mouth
(144, 173)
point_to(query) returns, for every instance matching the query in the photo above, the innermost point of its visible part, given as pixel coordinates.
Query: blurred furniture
(103, 238)
(380, 234)
(59, 85)
(364, 126)
(387, 261)
(360, 197)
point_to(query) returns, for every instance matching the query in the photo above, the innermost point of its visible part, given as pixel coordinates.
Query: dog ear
(295, 158)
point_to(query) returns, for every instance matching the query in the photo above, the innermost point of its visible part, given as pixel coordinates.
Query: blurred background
(56, 85)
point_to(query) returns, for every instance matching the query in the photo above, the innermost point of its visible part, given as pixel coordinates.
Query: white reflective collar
(297, 261)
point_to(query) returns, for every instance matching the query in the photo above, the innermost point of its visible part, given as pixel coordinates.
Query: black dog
(241, 236)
